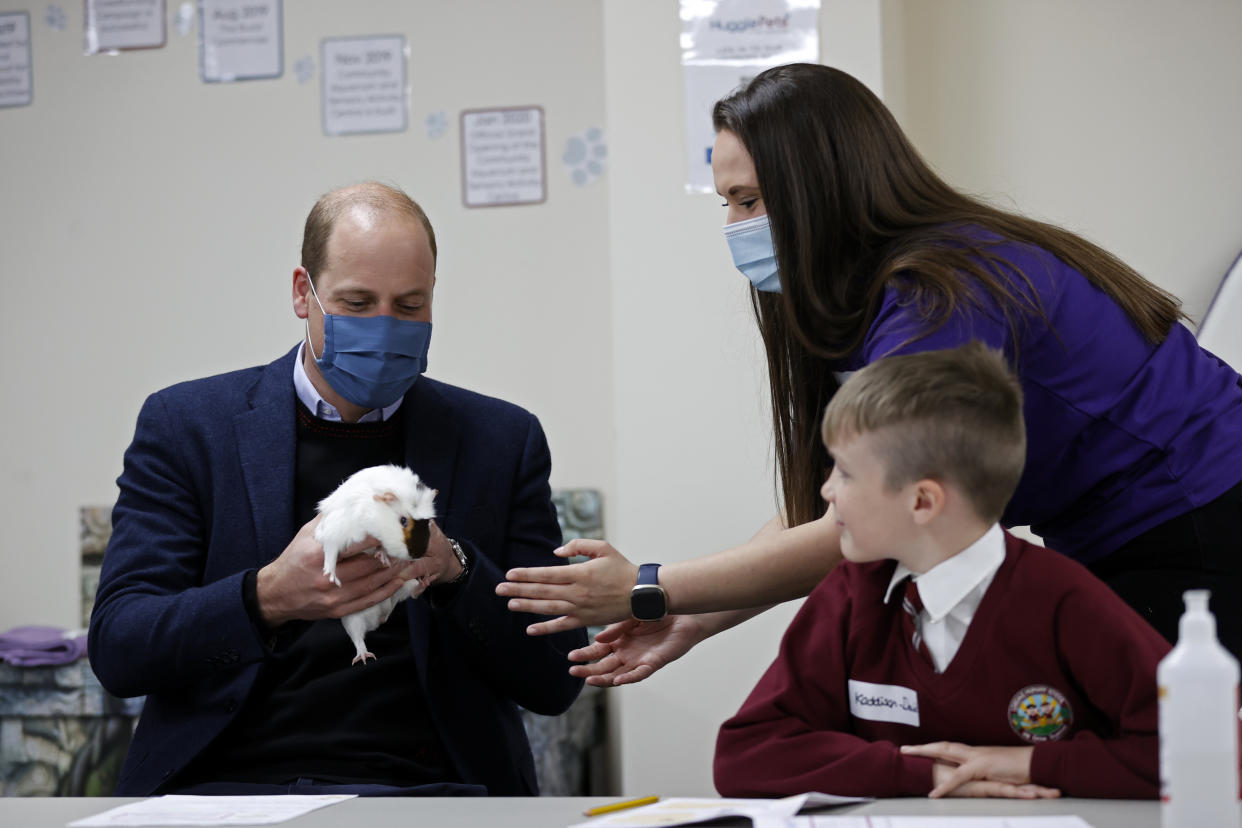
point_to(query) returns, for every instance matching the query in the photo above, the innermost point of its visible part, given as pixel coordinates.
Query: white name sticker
(884, 702)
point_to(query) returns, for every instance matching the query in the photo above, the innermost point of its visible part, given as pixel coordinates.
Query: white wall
(1116, 118)
(152, 223)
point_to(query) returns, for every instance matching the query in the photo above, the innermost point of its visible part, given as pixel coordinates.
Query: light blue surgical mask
(371, 360)
(750, 242)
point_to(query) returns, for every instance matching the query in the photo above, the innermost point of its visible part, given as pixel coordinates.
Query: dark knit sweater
(311, 713)
(1047, 635)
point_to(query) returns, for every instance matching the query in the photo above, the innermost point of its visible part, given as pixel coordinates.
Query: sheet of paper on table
(762, 812)
(178, 810)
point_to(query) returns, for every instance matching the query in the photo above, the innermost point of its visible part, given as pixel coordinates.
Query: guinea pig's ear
(384, 497)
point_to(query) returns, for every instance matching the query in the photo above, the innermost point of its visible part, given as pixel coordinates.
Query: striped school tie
(912, 604)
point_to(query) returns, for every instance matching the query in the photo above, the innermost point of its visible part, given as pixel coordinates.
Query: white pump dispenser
(1198, 691)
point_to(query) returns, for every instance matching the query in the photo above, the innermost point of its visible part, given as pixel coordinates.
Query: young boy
(945, 656)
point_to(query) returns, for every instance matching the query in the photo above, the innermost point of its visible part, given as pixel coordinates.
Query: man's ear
(301, 292)
(927, 500)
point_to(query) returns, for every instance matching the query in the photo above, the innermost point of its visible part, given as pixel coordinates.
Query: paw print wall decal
(584, 156)
(55, 18)
(304, 69)
(184, 19)
(436, 124)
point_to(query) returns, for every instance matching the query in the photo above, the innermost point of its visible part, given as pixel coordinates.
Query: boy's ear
(928, 501)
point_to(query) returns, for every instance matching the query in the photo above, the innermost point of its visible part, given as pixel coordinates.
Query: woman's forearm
(774, 566)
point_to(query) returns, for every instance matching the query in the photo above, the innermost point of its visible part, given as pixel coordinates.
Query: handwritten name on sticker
(884, 703)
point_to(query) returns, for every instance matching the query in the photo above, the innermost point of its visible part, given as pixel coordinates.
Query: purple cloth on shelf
(40, 647)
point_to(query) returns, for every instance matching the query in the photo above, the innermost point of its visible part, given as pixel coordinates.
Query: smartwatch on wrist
(647, 599)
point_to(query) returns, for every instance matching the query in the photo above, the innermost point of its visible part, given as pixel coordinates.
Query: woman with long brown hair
(856, 250)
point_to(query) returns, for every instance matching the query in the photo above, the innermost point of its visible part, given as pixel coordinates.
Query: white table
(557, 812)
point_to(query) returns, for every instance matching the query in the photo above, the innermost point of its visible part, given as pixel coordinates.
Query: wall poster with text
(16, 81)
(241, 40)
(725, 43)
(364, 85)
(115, 25)
(502, 157)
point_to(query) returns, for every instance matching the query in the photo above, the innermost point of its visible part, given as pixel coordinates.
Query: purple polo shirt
(1121, 435)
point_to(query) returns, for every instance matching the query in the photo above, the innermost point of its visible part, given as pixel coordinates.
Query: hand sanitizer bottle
(1198, 691)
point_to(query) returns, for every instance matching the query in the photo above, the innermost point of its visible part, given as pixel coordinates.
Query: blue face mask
(371, 360)
(750, 242)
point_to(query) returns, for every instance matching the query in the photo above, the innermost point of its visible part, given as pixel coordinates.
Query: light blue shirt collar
(324, 410)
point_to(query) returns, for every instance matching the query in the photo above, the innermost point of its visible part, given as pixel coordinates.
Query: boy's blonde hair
(953, 415)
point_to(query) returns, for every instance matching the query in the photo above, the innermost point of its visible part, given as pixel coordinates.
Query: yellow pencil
(620, 806)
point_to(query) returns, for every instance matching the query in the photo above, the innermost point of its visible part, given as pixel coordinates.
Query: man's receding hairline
(339, 206)
(368, 199)
(343, 211)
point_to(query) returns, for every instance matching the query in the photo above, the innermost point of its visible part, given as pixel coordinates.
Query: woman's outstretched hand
(632, 650)
(596, 591)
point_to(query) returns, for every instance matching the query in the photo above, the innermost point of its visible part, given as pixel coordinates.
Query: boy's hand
(962, 770)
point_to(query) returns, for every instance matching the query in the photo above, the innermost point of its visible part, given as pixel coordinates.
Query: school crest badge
(1039, 713)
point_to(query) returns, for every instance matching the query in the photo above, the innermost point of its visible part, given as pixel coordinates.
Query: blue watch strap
(647, 599)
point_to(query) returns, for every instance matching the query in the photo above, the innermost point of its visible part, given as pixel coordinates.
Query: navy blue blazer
(207, 494)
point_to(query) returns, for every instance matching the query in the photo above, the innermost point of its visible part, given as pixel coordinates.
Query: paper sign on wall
(364, 85)
(502, 157)
(725, 43)
(240, 40)
(112, 25)
(16, 84)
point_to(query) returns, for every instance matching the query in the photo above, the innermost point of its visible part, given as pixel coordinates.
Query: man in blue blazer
(212, 602)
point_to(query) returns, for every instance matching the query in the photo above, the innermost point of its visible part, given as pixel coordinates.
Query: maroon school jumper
(1052, 658)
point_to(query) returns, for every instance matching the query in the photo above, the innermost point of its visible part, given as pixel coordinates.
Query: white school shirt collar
(325, 410)
(946, 584)
(951, 593)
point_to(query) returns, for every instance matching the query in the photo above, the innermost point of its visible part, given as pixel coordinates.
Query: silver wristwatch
(461, 559)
